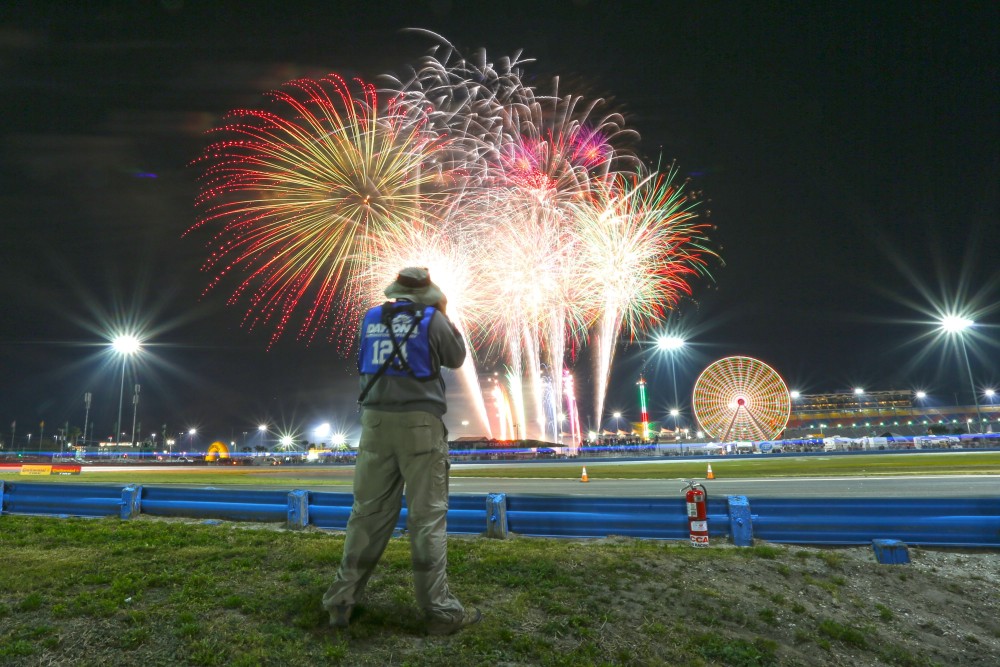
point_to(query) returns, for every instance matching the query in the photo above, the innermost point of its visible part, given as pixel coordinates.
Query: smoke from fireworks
(529, 208)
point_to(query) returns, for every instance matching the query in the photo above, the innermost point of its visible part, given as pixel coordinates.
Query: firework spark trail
(553, 152)
(640, 241)
(548, 158)
(573, 414)
(525, 273)
(469, 98)
(300, 191)
(445, 256)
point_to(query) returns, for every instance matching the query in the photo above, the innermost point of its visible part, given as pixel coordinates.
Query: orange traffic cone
(710, 474)
(583, 477)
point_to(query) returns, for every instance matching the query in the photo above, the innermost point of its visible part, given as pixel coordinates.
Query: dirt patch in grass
(167, 592)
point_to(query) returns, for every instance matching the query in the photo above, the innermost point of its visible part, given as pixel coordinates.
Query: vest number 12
(382, 350)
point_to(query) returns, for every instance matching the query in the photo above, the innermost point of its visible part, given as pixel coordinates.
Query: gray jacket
(403, 394)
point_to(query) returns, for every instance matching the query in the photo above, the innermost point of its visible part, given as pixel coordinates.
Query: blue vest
(392, 332)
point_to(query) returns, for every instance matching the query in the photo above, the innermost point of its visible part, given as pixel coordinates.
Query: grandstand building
(871, 413)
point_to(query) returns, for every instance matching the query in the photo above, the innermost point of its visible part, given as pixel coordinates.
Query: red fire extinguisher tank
(697, 500)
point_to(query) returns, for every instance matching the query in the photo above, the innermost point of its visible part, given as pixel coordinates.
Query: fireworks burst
(641, 242)
(530, 210)
(304, 192)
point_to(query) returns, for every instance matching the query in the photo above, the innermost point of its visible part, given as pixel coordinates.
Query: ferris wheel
(741, 398)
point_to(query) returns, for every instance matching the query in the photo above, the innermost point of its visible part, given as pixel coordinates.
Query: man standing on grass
(404, 344)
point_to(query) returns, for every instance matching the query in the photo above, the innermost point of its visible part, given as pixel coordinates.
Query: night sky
(848, 153)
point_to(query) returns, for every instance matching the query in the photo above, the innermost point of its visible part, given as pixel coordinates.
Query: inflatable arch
(217, 450)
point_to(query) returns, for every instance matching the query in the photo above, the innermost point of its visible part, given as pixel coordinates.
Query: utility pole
(135, 411)
(86, 416)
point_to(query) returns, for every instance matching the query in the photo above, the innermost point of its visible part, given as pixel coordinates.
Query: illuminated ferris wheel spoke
(729, 429)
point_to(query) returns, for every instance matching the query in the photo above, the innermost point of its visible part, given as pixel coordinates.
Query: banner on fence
(35, 470)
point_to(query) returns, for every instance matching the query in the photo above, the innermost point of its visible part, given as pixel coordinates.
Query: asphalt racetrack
(950, 486)
(919, 476)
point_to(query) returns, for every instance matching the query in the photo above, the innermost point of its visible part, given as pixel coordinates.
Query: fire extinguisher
(697, 499)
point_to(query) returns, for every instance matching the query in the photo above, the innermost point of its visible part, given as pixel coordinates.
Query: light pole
(672, 345)
(135, 411)
(86, 416)
(675, 413)
(957, 325)
(616, 415)
(920, 397)
(990, 393)
(126, 345)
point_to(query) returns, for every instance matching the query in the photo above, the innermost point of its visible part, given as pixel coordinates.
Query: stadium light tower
(125, 345)
(956, 325)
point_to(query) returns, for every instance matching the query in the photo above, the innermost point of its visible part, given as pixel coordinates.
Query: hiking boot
(340, 615)
(449, 626)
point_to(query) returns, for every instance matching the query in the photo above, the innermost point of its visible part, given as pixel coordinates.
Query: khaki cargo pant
(398, 448)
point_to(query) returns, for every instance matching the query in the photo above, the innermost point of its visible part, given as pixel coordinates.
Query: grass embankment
(146, 592)
(966, 463)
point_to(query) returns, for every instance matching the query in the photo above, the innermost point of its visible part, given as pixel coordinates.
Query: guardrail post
(891, 552)
(496, 515)
(740, 521)
(131, 501)
(298, 509)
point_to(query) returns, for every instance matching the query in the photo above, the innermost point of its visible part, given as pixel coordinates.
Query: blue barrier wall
(216, 503)
(953, 522)
(654, 518)
(71, 499)
(466, 514)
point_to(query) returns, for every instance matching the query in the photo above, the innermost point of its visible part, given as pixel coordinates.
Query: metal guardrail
(952, 522)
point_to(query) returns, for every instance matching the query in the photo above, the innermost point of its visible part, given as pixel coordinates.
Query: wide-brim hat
(414, 284)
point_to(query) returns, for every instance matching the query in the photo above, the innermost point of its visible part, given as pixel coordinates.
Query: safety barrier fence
(952, 522)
